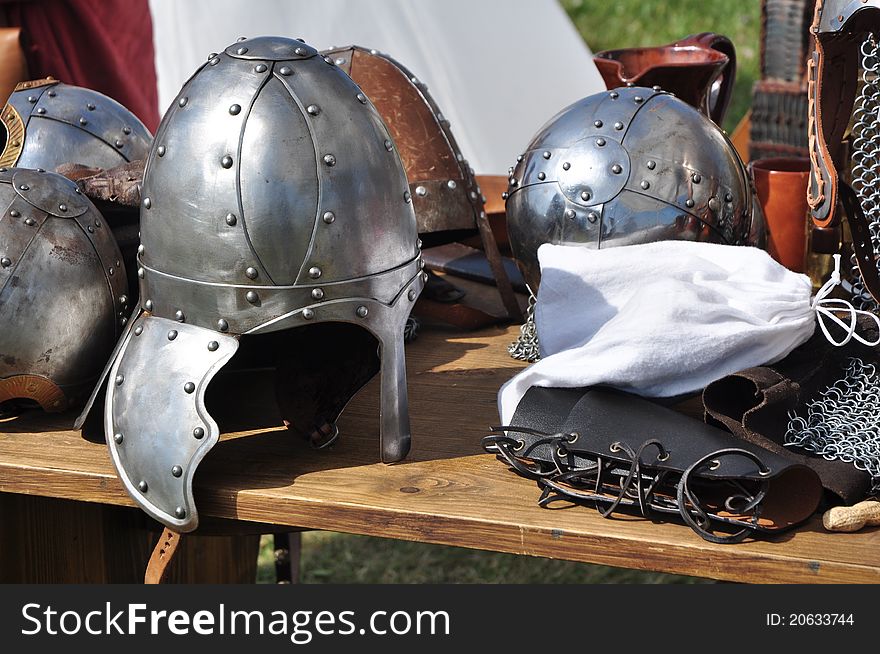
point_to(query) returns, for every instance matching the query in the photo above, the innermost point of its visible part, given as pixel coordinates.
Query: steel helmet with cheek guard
(273, 198)
(628, 166)
(49, 123)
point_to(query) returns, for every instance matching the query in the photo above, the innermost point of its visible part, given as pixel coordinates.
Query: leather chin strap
(163, 554)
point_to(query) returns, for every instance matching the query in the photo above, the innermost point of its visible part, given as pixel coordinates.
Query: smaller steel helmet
(62, 290)
(628, 166)
(49, 123)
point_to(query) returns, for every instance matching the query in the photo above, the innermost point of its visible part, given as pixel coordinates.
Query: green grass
(341, 558)
(331, 558)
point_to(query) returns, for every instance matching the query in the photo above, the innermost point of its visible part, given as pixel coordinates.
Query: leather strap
(163, 554)
(861, 240)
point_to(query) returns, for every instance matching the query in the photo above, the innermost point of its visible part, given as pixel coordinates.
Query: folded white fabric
(660, 319)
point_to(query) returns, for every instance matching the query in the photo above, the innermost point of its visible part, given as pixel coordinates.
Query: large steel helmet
(49, 123)
(629, 166)
(62, 286)
(273, 198)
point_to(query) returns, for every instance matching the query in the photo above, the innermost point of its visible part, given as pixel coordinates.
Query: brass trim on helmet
(35, 83)
(14, 136)
(14, 124)
(38, 388)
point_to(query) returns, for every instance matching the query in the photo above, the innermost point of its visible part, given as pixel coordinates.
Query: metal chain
(526, 347)
(843, 423)
(866, 159)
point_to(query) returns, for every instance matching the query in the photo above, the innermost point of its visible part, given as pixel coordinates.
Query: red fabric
(104, 45)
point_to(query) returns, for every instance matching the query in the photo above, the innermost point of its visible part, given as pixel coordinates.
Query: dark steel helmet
(629, 166)
(62, 290)
(446, 196)
(49, 123)
(273, 198)
(445, 193)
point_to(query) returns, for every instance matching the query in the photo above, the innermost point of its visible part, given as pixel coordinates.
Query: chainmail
(866, 159)
(843, 423)
(411, 329)
(525, 347)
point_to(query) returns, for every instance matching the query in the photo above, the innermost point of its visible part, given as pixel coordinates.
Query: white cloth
(660, 319)
(498, 70)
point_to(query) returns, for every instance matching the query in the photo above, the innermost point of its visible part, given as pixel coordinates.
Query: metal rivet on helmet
(176, 471)
(199, 432)
(142, 486)
(330, 159)
(226, 161)
(252, 297)
(317, 294)
(189, 387)
(314, 272)
(118, 438)
(231, 219)
(362, 311)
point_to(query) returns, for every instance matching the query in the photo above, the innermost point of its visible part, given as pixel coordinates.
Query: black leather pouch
(618, 451)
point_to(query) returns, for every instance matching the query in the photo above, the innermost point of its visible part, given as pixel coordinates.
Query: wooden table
(446, 492)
